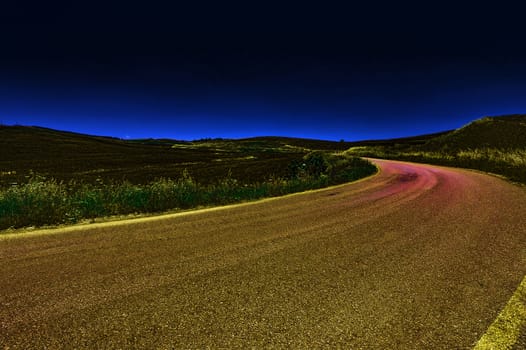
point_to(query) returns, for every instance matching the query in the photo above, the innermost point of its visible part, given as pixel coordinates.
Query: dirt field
(416, 257)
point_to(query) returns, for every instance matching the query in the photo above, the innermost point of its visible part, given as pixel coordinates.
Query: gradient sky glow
(195, 71)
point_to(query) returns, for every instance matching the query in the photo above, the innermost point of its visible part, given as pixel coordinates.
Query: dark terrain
(491, 144)
(66, 155)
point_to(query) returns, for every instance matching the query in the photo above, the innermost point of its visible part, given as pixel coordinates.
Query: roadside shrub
(48, 202)
(316, 163)
(85, 202)
(35, 203)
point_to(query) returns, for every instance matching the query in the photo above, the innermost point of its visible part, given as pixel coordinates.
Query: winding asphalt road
(416, 257)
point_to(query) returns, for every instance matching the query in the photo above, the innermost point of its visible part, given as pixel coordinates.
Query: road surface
(416, 257)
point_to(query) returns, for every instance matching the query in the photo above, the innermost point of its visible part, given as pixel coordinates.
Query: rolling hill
(66, 155)
(492, 144)
(502, 132)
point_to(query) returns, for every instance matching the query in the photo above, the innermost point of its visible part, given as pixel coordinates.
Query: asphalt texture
(416, 257)
(521, 341)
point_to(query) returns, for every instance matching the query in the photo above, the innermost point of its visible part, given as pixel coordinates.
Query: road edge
(108, 222)
(504, 332)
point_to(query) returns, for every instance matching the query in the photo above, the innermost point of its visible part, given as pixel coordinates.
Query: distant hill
(66, 155)
(409, 141)
(72, 156)
(492, 144)
(495, 144)
(37, 143)
(311, 144)
(504, 132)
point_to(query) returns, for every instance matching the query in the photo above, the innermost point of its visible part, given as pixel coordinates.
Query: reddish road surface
(417, 257)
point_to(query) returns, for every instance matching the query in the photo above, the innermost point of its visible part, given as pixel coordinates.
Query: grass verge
(510, 163)
(42, 201)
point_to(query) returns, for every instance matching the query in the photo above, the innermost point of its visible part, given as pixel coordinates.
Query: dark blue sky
(195, 71)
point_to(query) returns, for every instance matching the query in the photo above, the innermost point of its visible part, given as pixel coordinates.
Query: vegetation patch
(41, 201)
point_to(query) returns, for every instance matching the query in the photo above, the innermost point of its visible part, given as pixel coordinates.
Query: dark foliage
(46, 202)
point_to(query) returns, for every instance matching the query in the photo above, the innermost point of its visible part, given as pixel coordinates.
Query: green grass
(492, 144)
(40, 201)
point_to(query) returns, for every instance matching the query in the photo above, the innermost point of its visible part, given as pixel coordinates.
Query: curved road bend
(416, 257)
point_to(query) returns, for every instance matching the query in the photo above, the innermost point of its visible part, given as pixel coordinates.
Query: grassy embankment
(53, 177)
(492, 144)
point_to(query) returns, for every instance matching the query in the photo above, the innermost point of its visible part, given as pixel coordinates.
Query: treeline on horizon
(41, 201)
